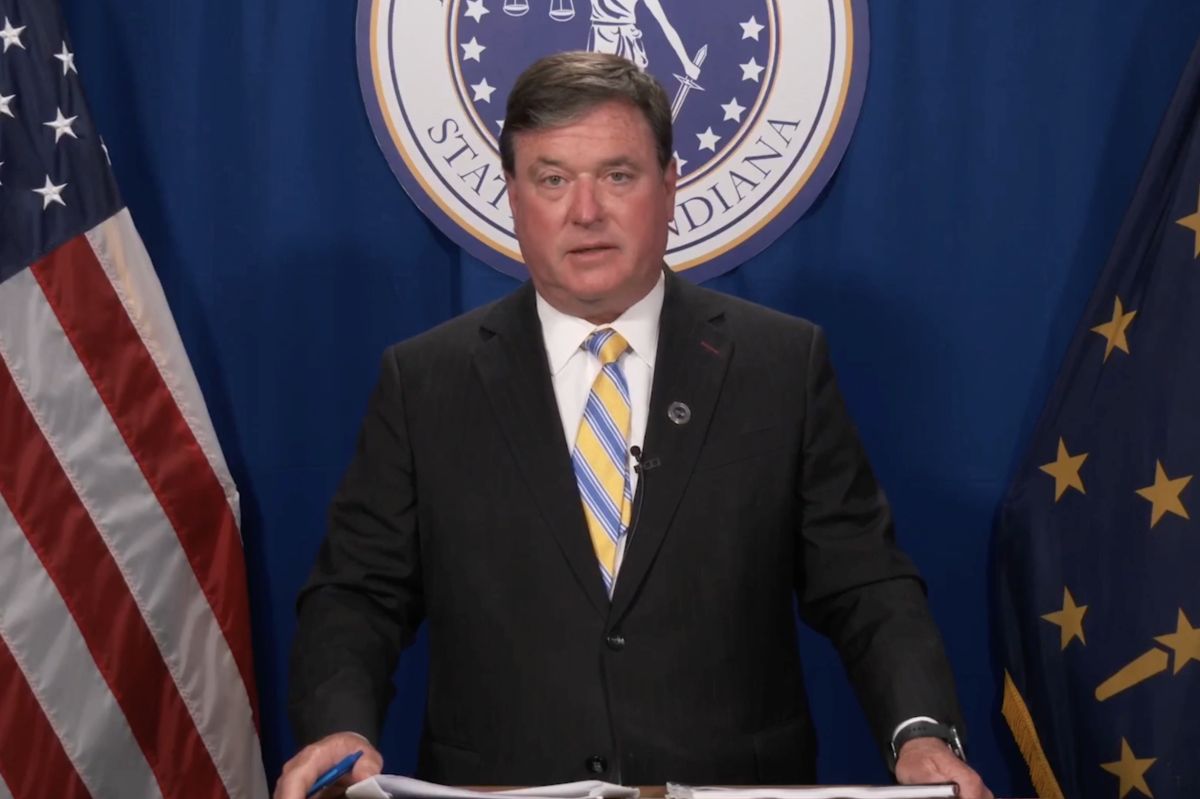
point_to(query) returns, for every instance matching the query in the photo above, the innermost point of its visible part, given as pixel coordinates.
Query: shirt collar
(564, 334)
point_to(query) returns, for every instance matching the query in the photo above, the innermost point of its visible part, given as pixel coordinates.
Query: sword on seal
(686, 84)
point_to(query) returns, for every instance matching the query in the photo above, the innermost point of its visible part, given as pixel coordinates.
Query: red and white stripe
(125, 659)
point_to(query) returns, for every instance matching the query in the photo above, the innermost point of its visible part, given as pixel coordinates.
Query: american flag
(125, 656)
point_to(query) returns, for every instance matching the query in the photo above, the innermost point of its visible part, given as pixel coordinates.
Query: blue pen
(342, 768)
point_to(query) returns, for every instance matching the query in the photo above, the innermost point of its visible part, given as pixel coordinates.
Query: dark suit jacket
(460, 508)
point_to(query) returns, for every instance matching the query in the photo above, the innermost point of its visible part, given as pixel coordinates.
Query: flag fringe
(1016, 713)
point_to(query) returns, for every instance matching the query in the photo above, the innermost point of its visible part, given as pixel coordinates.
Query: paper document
(391, 787)
(676, 791)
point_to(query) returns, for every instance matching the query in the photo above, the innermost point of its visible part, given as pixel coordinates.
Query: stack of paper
(391, 787)
(948, 791)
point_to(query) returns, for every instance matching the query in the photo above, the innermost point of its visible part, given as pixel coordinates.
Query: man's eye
(553, 180)
(620, 177)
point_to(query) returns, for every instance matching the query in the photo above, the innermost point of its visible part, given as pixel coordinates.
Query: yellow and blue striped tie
(600, 457)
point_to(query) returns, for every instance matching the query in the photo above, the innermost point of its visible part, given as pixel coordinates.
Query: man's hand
(312, 761)
(928, 760)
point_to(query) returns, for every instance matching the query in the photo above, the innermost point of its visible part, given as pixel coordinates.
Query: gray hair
(561, 88)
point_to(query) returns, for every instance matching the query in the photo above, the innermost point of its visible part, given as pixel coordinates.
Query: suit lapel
(511, 363)
(689, 370)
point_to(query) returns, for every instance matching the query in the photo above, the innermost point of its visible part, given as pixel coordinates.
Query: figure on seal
(615, 30)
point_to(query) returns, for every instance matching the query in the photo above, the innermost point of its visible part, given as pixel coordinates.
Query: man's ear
(510, 183)
(670, 178)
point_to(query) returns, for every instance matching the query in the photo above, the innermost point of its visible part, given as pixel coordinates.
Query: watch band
(928, 728)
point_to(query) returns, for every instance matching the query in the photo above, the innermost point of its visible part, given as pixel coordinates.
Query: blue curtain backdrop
(949, 259)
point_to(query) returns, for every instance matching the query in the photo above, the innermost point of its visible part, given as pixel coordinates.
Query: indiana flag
(1098, 541)
(125, 658)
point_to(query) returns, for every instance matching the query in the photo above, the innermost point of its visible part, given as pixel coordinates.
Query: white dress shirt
(573, 369)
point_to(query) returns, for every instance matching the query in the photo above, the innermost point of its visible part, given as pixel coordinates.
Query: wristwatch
(928, 728)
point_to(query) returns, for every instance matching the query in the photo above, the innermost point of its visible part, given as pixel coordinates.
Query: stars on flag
(1131, 771)
(1163, 495)
(10, 35)
(51, 193)
(61, 125)
(1069, 620)
(1065, 471)
(64, 123)
(1114, 329)
(68, 60)
(1184, 642)
(1192, 223)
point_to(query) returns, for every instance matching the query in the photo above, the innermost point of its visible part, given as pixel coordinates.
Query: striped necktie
(600, 457)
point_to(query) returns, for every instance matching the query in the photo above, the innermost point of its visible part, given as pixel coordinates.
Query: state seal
(765, 94)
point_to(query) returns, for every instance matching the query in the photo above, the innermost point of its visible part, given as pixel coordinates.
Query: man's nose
(586, 204)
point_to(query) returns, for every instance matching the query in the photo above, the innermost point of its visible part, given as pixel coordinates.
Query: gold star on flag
(1184, 642)
(1114, 329)
(1164, 494)
(1069, 619)
(1131, 770)
(1065, 471)
(1192, 222)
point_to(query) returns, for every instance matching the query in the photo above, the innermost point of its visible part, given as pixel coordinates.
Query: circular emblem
(764, 93)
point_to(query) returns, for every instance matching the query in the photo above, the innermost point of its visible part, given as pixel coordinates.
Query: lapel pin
(679, 412)
(712, 349)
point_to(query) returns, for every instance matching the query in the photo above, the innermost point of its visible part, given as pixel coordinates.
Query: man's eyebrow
(620, 160)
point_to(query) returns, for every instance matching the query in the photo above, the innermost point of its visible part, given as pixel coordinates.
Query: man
(607, 493)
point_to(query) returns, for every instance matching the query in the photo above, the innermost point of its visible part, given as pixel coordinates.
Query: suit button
(615, 641)
(596, 764)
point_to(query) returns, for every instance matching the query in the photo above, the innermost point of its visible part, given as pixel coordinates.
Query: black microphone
(646, 465)
(642, 466)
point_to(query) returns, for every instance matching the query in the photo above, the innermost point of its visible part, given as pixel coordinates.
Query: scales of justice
(615, 30)
(560, 10)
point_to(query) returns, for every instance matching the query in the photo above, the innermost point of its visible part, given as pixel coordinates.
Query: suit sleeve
(363, 601)
(855, 585)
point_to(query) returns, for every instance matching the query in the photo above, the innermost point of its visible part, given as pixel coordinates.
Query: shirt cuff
(910, 722)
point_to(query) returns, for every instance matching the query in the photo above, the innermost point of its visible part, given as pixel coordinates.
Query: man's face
(591, 208)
